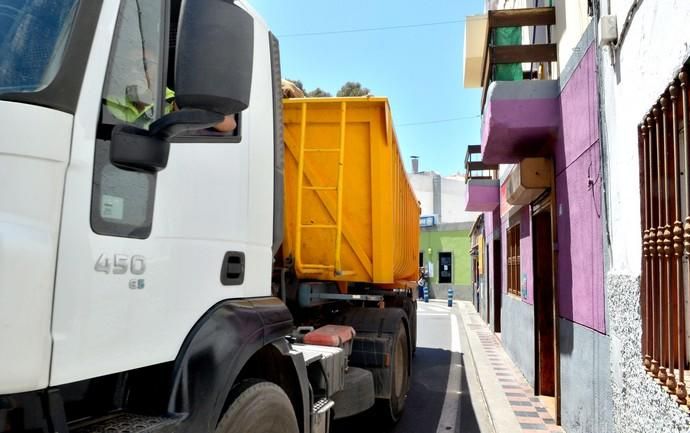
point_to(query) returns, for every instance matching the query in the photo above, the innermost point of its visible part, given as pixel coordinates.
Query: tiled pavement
(528, 409)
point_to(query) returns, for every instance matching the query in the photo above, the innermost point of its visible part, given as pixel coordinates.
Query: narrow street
(439, 399)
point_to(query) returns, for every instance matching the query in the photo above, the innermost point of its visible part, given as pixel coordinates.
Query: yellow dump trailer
(350, 213)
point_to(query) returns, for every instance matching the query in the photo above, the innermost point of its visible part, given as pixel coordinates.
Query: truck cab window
(134, 94)
(33, 35)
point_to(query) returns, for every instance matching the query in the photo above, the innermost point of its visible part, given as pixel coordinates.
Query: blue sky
(418, 68)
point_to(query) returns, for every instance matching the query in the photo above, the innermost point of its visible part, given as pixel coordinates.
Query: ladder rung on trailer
(314, 268)
(321, 188)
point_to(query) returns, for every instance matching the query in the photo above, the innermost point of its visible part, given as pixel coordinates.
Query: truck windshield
(33, 35)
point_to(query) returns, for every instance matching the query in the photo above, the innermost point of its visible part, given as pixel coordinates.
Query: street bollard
(426, 292)
(450, 296)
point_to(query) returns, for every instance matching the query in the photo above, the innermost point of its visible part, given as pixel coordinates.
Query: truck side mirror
(141, 150)
(214, 56)
(135, 149)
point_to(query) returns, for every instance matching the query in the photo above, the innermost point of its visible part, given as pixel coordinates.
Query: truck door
(143, 255)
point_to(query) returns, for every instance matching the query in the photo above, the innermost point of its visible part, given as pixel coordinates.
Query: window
(33, 36)
(122, 200)
(133, 93)
(514, 260)
(665, 196)
(427, 221)
(445, 268)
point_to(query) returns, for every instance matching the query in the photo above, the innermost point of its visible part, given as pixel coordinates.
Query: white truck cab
(138, 231)
(106, 267)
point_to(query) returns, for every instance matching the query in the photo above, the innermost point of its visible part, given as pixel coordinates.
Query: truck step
(320, 416)
(333, 362)
(125, 422)
(322, 406)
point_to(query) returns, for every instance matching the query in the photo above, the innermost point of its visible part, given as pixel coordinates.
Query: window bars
(663, 147)
(514, 260)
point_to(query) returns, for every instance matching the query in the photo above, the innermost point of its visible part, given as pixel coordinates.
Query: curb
(473, 382)
(501, 416)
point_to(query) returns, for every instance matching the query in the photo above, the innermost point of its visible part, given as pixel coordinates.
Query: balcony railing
(475, 168)
(535, 54)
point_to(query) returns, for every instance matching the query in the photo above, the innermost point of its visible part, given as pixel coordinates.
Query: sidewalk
(511, 402)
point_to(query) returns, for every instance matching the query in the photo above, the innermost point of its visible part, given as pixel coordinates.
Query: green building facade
(447, 247)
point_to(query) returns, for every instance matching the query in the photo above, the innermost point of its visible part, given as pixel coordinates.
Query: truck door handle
(232, 269)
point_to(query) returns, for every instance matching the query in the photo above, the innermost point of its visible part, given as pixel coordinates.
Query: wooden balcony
(475, 167)
(506, 54)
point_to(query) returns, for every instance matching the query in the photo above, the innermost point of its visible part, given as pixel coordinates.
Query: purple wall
(578, 201)
(580, 263)
(521, 118)
(481, 195)
(488, 225)
(491, 224)
(504, 255)
(512, 127)
(579, 107)
(526, 264)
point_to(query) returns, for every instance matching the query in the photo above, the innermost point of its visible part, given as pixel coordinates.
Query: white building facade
(642, 114)
(442, 196)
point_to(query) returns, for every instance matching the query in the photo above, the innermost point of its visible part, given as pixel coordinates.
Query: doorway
(546, 341)
(497, 288)
(475, 276)
(445, 268)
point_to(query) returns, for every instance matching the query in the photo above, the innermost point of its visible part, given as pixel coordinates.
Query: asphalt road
(439, 400)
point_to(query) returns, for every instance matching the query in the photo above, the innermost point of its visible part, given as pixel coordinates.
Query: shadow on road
(424, 401)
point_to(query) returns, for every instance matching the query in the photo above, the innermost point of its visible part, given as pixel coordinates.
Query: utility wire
(429, 122)
(370, 29)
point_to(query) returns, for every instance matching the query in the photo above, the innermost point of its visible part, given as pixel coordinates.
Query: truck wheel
(391, 409)
(258, 407)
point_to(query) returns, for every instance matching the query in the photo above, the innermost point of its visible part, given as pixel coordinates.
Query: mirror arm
(133, 148)
(185, 120)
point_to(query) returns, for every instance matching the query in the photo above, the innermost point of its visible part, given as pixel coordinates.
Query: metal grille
(663, 147)
(514, 260)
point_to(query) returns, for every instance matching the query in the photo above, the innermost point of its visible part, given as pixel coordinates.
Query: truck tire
(390, 410)
(258, 407)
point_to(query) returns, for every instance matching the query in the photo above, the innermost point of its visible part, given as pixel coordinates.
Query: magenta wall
(580, 264)
(481, 195)
(526, 264)
(492, 224)
(580, 275)
(511, 127)
(579, 107)
(504, 255)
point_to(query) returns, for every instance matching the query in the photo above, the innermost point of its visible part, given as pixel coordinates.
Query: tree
(353, 88)
(297, 83)
(316, 93)
(319, 93)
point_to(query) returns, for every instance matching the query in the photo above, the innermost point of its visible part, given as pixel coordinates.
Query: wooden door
(498, 293)
(544, 305)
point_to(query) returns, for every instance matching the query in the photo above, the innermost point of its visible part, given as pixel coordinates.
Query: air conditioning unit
(528, 180)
